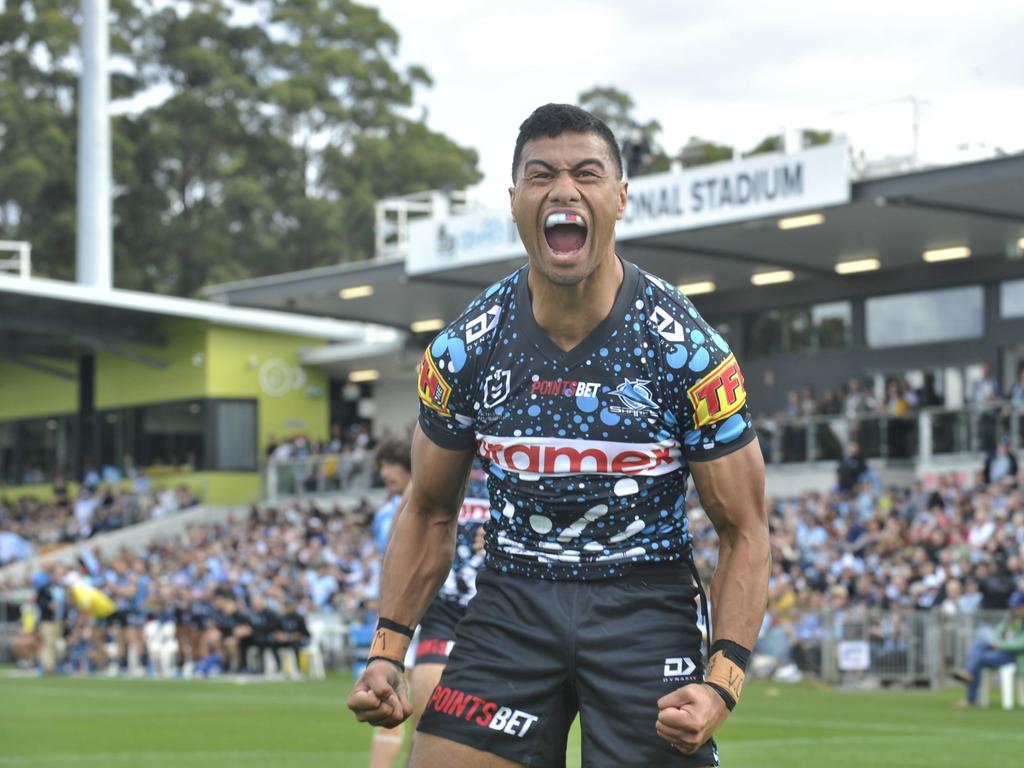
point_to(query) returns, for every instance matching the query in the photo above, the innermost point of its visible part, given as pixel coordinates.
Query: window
(924, 317)
(1011, 299)
(801, 329)
(235, 439)
(36, 451)
(189, 434)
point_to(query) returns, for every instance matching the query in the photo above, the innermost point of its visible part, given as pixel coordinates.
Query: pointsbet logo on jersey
(719, 394)
(434, 390)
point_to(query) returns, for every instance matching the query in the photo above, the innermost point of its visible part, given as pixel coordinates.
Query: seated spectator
(1004, 647)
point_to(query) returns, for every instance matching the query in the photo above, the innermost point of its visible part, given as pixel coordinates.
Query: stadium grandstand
(207, 465)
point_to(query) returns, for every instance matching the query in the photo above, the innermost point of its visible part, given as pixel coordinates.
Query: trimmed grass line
(107, 757)
(909, 729)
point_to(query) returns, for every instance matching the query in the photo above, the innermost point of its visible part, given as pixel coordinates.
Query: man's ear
(512, 201)
(623, 196)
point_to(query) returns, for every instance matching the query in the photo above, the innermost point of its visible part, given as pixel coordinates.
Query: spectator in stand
(1004, 647)
(25, 645)
(51, 617)
(851, 468)
(857, 401)
(1001, 463)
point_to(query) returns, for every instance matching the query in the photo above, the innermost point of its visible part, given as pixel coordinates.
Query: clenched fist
(690, 716)
(380, 695)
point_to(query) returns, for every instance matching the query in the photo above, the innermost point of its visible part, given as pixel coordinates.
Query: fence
(918, 436)
(315, 475)
(905, 648)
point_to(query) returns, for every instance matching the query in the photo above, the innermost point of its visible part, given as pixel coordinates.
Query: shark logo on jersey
(635, 396)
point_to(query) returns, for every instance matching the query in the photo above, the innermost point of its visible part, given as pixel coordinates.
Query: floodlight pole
(94, 242)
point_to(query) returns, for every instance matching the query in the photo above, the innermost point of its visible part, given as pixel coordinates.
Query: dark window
(925, 316)
(235, 440)
(800, 329)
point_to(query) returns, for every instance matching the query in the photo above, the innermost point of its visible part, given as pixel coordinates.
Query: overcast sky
(729, 71)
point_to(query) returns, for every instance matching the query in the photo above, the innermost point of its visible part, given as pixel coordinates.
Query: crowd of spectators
(30, 525)
(210, 594)
(954, 548)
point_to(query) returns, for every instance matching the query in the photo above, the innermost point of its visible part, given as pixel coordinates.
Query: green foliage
(282, 122)
(699, 151)
(638, 140)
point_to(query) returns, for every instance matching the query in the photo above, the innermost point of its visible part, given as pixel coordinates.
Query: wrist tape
(726, 670)
(390, 642)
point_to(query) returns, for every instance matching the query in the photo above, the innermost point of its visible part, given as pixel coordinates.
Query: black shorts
(437, 632)
(531, 653)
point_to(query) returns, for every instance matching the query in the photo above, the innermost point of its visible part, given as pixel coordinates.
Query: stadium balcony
(802, 451)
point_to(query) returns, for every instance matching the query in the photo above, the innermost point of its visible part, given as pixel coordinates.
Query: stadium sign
(756, 187)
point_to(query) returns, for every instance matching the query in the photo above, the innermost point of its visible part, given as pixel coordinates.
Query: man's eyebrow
(587, 161)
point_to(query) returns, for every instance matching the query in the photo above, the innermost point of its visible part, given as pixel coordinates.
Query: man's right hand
(380, 695)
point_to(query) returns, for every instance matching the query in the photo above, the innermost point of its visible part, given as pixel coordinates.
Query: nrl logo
(636, 398)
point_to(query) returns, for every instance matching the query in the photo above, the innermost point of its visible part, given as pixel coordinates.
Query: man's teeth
(564, 217)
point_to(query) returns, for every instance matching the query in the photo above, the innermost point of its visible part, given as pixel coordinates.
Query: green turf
(195, 724)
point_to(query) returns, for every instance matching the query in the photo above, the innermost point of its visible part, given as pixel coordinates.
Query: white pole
(93, 253)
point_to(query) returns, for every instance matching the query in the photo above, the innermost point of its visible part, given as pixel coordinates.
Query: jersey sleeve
(445, 391)
(715, 418)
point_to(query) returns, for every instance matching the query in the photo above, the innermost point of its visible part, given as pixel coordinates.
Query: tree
(698, 151)
(38, 120)
(252, 164)
(638, 141)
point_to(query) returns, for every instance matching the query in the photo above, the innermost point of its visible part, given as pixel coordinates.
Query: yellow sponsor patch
(719, 394)
(434, 390)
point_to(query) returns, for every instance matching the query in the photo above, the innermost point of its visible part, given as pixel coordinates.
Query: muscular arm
(422, 544)
(731, 491)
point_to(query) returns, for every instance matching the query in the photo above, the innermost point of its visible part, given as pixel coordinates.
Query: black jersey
(586, 451)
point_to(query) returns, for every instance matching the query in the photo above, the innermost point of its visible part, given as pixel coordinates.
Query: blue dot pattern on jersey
(586, 451)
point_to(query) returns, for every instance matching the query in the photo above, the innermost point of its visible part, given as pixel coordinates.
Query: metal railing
(22, 262)
(318, 475)
(908, 648)
(915, 436)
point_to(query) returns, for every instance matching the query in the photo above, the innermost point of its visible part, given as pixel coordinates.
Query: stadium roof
(51, 318)
(893, 219)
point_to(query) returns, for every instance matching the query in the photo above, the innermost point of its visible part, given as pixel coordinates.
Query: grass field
(194, 724)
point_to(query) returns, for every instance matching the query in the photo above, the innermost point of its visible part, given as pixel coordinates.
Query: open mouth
(565, 231)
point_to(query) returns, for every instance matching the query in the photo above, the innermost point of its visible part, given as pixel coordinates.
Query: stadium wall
(26, 393)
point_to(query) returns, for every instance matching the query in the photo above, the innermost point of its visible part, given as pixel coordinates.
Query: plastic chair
(1009, 685)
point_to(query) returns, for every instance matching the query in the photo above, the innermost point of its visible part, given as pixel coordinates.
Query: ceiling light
(947, 254)
(1020, 245)
(356, 292)
(422, 326)
(695, 289)
(857, 265)
(371, 374)
(807, 220)
(771, 278)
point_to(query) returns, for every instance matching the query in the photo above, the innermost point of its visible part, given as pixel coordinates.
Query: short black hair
(553, 120)
(395, 451)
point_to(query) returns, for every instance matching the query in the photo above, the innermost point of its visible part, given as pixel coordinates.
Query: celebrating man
(591, 391)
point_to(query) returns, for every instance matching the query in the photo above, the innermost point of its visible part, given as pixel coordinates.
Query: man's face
(395, 476)
(565, 203)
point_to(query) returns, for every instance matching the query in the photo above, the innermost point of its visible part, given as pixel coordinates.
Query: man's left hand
(690, 716)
